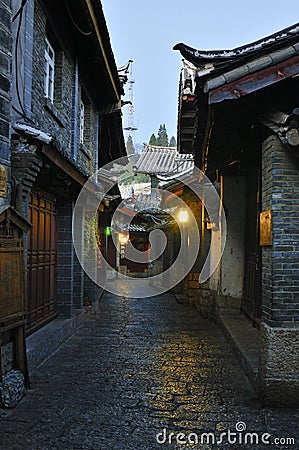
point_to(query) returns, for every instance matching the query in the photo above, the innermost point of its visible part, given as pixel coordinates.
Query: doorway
(42, 260)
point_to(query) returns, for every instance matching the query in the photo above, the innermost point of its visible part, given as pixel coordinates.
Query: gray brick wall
(86, 154)
(61, 119)
(280, 277)
(78, 284)
(63, 89)
(5, 91)
(65, 276)
(41, 114)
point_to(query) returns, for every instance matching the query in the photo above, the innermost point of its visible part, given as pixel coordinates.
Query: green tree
(162, 138)
(172, 142)
(130, 146)
(153, 140)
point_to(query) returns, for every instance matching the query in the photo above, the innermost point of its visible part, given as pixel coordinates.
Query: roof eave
(251, 67)
(256, 80)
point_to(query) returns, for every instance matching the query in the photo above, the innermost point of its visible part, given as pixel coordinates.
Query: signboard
(11, 286)
(3, 181)
(266, 227)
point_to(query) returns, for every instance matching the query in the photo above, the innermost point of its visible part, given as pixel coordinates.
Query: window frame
(49, 71)
(81, 121)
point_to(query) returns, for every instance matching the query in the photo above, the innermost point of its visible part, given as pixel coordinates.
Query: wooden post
(20, 349)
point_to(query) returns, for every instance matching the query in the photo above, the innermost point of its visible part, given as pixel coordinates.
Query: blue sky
(146, 31)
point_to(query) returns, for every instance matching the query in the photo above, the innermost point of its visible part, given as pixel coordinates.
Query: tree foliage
(153, 140)
(172, 142)
(129, 177)
(138, 178)
(161, 140)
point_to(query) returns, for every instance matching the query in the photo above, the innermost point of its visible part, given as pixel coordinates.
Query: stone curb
(42, 343)
(245, 341)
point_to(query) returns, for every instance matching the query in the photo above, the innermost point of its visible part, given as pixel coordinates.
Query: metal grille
(42, 260)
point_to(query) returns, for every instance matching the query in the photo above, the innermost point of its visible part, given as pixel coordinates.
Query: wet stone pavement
(133, 375)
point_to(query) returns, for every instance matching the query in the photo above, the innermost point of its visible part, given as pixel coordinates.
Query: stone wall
(278, 371)
(66, 255)
(280, 179)
(5, 99)
(53, 118)
(278, 382)
(61, 118)
(87, 149)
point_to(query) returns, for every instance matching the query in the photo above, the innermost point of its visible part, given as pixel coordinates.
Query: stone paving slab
(140, 369)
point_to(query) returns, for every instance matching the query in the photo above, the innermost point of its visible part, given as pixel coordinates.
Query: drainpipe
(207, 138)
(75, 111)
(96, 142)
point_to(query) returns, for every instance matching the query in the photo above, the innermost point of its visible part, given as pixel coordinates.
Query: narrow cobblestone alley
(140, 366)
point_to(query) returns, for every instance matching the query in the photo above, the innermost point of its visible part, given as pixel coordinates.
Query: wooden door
(42, 260)
(252, 298)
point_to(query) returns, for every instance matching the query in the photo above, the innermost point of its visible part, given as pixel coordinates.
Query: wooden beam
(255, 81)
(63, 164)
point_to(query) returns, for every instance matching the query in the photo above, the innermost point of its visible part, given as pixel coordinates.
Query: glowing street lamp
(123, 238)
(183, 219)
(183, 216)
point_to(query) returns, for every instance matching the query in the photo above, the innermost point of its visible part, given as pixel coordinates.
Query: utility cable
(20, 10)
(20, 14)
(85, 33)
(21, 114)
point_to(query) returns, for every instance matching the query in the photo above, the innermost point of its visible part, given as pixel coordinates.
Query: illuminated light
(107, 231)
(123, 238)
(183, 216)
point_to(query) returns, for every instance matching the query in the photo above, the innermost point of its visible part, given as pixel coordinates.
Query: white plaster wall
(216, 249)
(233, 259)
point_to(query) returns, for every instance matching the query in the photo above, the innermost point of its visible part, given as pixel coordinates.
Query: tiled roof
(146, 202)
(219, 68)
(223, 57)
(165, 162)
(138, 227)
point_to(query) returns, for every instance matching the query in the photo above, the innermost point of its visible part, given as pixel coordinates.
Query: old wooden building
(60, 121)
(238, 115)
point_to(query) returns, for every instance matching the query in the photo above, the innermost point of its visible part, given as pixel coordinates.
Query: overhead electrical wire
(20, 10)
(85, 33)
